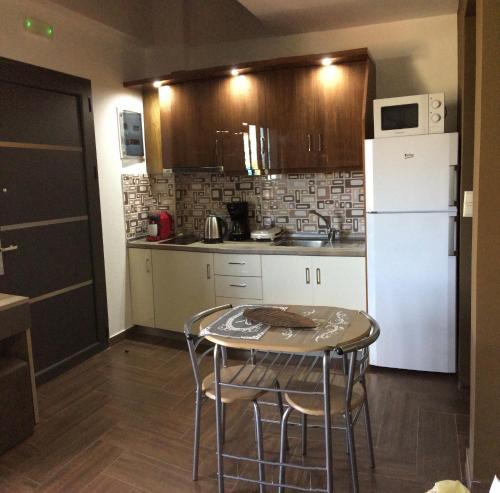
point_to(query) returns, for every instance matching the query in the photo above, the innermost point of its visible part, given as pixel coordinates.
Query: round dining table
(336, 329)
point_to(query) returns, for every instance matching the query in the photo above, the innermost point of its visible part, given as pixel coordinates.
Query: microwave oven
(409, 115)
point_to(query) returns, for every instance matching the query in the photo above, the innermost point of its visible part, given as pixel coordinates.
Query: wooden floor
(123, 421)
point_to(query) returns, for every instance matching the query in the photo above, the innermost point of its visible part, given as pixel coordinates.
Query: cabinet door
(183, 286)
(339, 281)
(241, 126)
(292, 115)
(287, 279)
(189, 113)
(141, 286)
(340, 93)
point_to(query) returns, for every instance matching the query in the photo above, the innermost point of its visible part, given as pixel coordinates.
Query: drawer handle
(237, 263)
(308, 276)
(318, 276)
(238, 285)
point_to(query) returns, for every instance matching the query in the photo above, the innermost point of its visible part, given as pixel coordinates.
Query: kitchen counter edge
(348, 249)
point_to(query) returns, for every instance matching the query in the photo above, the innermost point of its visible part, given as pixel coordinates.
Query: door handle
(318, 276)
(308, 276)
(9, 248)
(452, 237)
(453, 186)
(320, 142)
(148, 265)
(309, 142)
(209, 275)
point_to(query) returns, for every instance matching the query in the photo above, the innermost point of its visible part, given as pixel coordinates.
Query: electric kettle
(215, 229)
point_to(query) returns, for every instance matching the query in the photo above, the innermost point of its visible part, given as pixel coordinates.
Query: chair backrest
(194, 339)
(358, 354)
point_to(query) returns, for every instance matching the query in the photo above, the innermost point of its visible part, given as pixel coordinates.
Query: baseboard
(61, 366)
(120, 336)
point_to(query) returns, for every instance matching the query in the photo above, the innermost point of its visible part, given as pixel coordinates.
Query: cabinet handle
(237, 263)
(309, 142)
(318, 276)
(217, 151)
(320, 142)
(148, 265)
(238, 285)
(308, 276)
(208, 272)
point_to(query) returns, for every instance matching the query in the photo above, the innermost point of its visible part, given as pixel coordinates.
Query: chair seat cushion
(239, 375)
(312, 405)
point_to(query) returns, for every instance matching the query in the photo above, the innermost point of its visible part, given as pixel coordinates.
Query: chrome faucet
(332, 232)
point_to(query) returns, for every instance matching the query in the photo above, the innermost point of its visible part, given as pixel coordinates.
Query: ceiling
(299, 16)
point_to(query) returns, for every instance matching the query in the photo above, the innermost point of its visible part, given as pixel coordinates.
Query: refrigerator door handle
(453, 185)
(452, 237)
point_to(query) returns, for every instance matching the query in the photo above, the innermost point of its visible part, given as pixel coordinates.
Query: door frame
(27, 75)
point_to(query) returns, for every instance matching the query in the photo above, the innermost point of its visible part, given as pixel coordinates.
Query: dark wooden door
(189, 115)
(50, 229)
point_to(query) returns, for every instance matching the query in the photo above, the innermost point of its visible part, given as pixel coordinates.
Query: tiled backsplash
(284, 200)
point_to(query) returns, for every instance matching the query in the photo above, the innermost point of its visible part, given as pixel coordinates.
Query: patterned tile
(283, 200)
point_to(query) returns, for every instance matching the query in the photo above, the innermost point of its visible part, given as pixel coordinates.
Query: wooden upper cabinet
(241, 131)
(289, 118)
(341, 96)
(189, 121)
(291, 114)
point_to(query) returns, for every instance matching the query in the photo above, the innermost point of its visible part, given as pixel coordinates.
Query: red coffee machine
(160, 226)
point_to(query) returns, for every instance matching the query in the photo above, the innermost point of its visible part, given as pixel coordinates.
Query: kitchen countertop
(344, 248)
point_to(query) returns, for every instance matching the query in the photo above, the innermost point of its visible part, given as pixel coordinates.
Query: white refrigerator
(411, 258)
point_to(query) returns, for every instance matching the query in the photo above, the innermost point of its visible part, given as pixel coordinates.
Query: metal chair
(348, 397)
(205, 387)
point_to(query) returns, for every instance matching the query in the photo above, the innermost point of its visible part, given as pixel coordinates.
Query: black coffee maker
(238, 211)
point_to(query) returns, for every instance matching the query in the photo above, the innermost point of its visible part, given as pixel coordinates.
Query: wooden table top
(335, 326)
(8, 301)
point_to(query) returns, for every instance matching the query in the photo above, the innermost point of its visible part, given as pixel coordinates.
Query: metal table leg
(218, 419)
(328, 422)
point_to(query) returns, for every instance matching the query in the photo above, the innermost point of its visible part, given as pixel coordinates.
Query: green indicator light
(50, 31)
(28, 23)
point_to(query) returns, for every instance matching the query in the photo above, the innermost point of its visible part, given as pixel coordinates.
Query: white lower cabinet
(302, 280)
(183, 286)
(168, 287)
(141, 286)
(339, 281)
(286, 279)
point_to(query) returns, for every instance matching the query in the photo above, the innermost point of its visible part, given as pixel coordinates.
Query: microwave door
(399, 116)
(394, 117)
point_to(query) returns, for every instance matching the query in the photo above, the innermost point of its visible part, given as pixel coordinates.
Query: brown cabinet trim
(346, 56)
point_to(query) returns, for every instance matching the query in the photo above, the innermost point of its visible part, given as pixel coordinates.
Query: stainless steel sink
(303, 243)
(304, 240)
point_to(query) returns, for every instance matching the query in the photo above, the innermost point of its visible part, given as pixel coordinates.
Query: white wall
(87, 49)
(412, 57)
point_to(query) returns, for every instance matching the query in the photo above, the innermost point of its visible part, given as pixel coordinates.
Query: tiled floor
(123, 421)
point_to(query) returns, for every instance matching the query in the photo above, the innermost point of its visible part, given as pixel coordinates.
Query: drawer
(236, 301)
(237, 265)
(238, 287)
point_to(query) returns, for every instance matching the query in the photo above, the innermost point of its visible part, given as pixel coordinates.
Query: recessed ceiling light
(326, 61)
(157, 83)
(234, 72)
